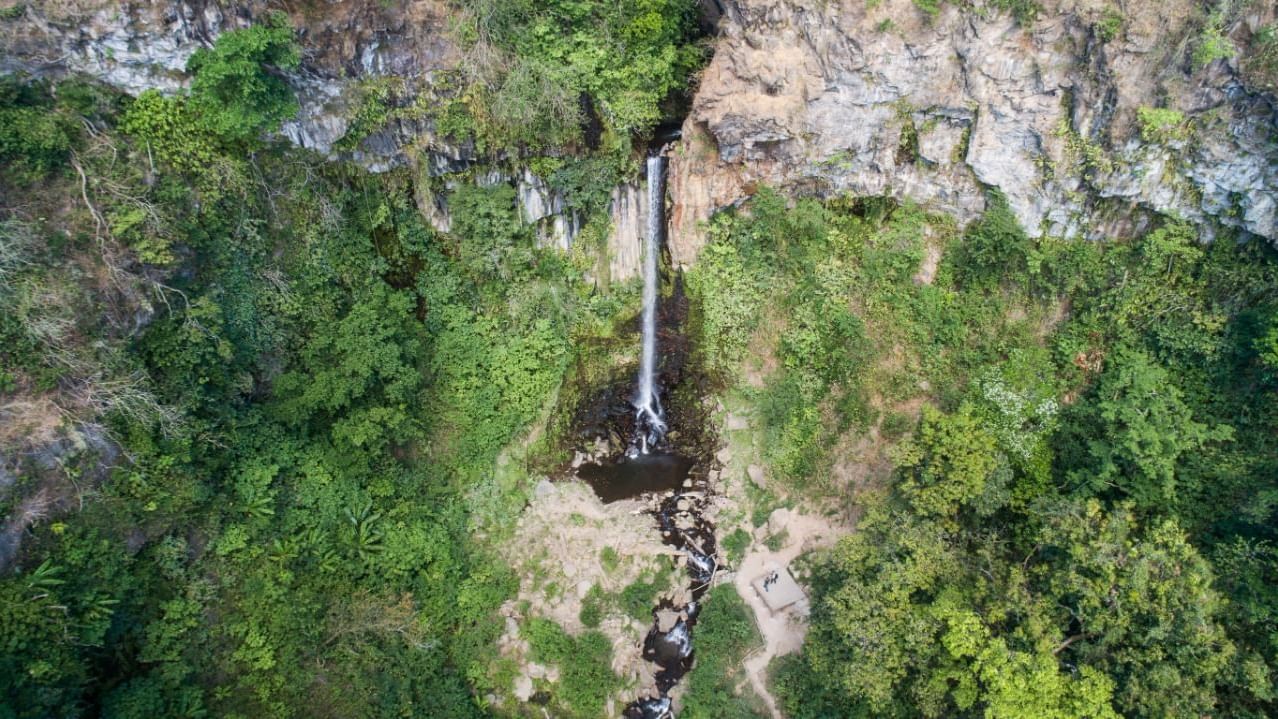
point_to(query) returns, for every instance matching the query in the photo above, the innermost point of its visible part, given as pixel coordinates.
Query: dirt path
(782, 632)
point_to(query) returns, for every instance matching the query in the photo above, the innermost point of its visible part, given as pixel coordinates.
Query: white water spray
(650, 424)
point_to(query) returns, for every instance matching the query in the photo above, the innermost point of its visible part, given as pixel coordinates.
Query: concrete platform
(778, 594)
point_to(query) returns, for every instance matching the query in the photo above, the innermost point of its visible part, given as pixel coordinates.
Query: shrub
(492, 240)
(993, 247)
(236, 85)
(1212, 46)
(931, 8)
(638, 598)
(1161, 124)
(735, 545)
(34, 139)
(1025, 11)
(585, 678)
(610, 559)
(592, 607)
(1261, 62)
(1110, 25)
(170, 130)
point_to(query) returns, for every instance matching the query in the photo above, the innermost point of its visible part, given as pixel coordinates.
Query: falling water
(650, 426)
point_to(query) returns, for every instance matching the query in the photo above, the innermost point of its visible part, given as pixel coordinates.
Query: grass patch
(585, 675)
(725, 634)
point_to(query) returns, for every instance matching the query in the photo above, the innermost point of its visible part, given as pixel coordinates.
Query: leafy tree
(1137, 428)
(950, 466)
(1101, 619)
(34, 139)
(359, 372)
(237, 86)
(1140, 607)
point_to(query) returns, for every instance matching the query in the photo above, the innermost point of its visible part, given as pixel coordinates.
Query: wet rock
(755, 473)
(666, 620)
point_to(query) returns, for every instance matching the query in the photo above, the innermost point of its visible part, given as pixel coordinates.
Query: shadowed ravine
(650, 466)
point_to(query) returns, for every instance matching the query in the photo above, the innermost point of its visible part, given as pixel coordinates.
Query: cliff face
(845, 98)
(136, 46)
(833, 98)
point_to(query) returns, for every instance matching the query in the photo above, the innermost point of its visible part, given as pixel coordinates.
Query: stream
(649, 466)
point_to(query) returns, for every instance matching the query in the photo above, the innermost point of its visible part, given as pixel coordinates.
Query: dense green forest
(271, 427)
(309, 385)
(1081, 522)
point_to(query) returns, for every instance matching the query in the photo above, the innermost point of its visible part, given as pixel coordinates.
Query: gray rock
(666, 620)
(755, 473)
(523, 687)
(778, 520)
(818, 101)
(544, 488)
(724, 455)
(736, 423)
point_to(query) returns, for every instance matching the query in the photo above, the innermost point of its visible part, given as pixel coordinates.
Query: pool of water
(636, 476)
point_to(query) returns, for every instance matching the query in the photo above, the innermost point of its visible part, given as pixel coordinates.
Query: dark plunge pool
(635, 476)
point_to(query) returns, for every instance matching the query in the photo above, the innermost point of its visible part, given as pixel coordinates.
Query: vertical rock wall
(882, 100)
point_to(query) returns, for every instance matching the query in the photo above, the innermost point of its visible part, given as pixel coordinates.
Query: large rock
(523, 688)
(822, 99)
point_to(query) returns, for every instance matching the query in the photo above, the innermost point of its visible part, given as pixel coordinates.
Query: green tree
(1137, 604)
(1135, 428)
(359, 372)
(1099, 618)
(238, 87)
(950, 466)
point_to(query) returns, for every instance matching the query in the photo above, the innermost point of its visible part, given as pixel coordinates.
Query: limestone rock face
(137, 46)
(818, 98)
(845, 98)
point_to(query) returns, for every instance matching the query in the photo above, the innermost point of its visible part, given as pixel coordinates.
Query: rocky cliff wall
(880, 99)
(844, 96)
(136, 46)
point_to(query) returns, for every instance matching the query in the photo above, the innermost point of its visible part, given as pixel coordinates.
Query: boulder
(666, 620)
(778, 520)
(523, 687)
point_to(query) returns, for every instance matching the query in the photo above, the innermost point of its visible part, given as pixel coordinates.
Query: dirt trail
(783, 631)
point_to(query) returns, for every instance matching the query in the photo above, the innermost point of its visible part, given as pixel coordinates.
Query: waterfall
(650, 426)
